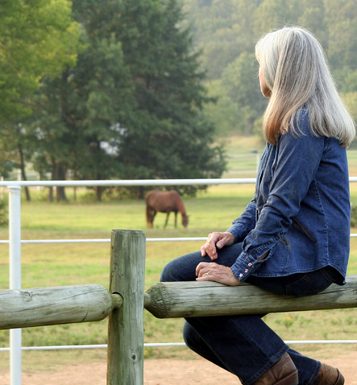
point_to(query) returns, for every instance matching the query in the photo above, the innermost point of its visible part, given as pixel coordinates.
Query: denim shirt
(299, 219)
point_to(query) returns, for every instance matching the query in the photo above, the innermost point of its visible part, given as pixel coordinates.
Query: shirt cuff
(237, 230)
(247, 263)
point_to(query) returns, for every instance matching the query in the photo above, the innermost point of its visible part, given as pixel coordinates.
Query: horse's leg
(175, 219)
(153, 213)
(167, 219)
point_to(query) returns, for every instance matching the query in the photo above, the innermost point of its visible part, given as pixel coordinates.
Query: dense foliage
(37, 39)
(118, 88)
(131, 106)
(227, 31)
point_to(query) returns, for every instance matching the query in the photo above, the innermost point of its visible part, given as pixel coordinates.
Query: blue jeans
(245, 345)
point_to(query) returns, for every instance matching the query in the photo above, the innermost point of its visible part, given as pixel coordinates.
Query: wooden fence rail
(125, 301)
(55, 305)
(197, 299)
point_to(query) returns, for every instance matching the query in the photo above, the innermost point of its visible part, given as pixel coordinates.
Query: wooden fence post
(126, 324)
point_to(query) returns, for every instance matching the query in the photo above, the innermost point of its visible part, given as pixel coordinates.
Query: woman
(293, 237)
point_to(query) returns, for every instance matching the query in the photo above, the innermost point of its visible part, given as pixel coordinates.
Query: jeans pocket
(309, 283)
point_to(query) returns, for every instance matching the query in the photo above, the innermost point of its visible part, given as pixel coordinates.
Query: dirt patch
(164, 372)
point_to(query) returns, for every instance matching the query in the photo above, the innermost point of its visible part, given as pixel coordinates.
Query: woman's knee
(184, 268)
(169, 273)
(181, 269)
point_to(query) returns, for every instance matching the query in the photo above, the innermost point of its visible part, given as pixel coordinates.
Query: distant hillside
(226, 33)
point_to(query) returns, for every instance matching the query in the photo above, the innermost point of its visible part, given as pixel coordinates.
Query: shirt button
(246, 270)
(240, 275)
(250, 264)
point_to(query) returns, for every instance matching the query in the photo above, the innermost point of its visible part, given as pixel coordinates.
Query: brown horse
(164, 202)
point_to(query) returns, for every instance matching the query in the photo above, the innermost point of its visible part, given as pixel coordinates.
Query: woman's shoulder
(301, 122)
(300, 126)
(301, 131)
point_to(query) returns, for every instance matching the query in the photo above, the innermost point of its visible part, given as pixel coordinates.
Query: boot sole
(340, 379)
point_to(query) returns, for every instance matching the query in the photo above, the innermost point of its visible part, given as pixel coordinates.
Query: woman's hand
(215, 241)
(211, 271)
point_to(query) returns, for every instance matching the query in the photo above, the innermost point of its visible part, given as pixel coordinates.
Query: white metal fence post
(15, 278)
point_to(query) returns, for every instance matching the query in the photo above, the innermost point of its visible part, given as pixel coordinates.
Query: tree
(127, 114)
(167, 137)
(312, 15)
(78, 115)
(241, 80)
(223, 30)
(224, 112)
(226, 31)
(274, 14)
(341, 18)
(37, 39)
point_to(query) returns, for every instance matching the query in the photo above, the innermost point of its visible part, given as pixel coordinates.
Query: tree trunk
(61, 194)
(141, 192)
(50, 194)
(99, 190)
(23, 171)
(59, 173)
(60, 190)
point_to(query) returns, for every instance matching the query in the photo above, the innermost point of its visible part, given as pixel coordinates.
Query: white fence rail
(15, 242)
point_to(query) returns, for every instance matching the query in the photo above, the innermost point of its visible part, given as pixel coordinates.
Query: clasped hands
(211, 271)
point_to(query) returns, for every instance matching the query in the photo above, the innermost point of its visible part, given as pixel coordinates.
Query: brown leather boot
(283, 372)
(329, 376)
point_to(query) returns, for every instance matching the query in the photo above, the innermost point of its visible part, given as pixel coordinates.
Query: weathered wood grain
(196, 299)
(126, 325)
(55, 305)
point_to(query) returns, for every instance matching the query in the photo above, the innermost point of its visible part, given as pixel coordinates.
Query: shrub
(3, 213)
(354, 216)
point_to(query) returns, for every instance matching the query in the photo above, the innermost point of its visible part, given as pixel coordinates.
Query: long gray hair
(295, 70)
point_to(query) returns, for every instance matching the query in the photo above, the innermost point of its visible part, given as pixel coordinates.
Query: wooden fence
(126, 299)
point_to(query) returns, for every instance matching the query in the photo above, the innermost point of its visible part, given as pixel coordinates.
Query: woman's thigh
(184, 268)
(299, 284)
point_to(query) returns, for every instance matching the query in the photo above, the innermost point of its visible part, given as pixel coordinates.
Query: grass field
(51, 265)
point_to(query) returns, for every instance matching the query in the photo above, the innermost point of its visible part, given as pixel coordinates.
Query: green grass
(50, 265)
